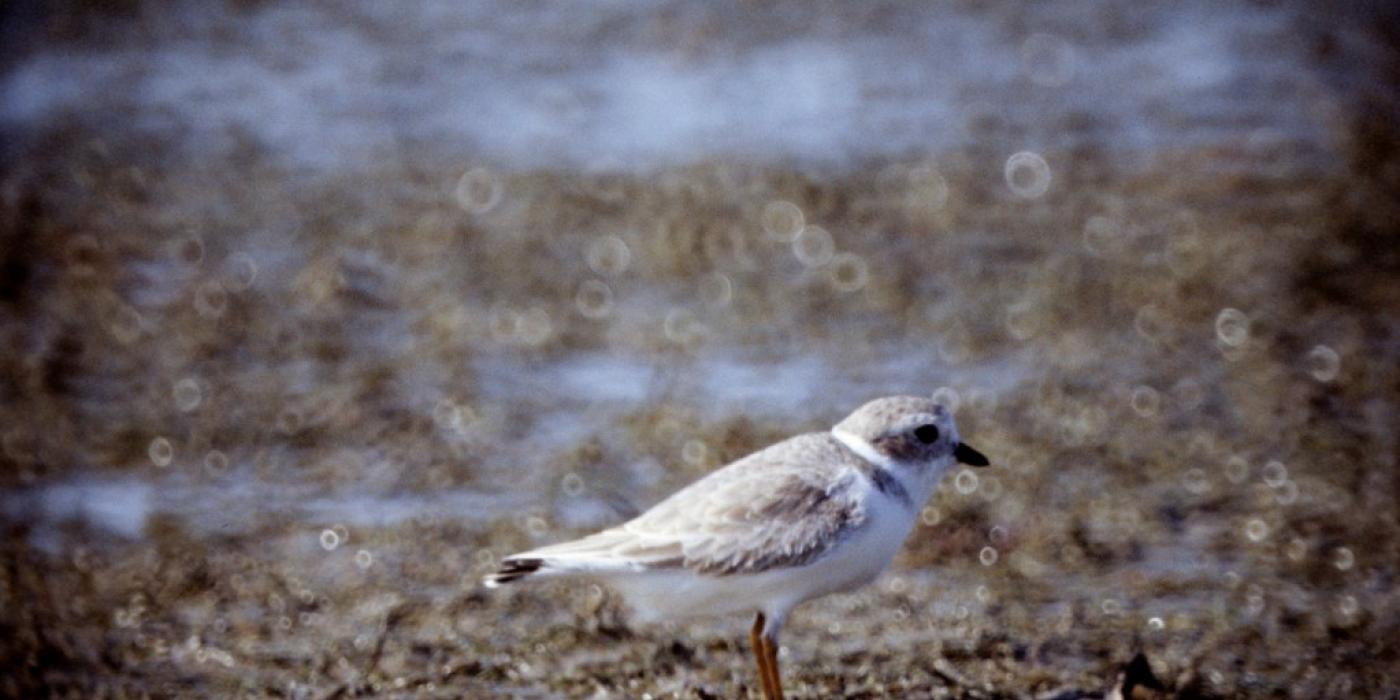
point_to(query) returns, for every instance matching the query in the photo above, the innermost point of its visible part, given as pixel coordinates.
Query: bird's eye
(927, 434)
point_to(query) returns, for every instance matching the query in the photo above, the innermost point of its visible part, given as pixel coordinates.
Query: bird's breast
(868, 550)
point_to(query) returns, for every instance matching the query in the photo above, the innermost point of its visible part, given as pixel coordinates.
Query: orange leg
(760, 654)
(770, 648)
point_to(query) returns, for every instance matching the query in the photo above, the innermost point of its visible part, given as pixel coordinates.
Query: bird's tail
(513, 570)
(608, 552)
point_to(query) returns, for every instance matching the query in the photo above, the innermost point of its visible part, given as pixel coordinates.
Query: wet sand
(266, 427)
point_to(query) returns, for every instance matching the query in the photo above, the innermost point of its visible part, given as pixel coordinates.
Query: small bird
(814, 514)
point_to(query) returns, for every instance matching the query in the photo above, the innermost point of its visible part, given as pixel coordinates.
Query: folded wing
(784, 506)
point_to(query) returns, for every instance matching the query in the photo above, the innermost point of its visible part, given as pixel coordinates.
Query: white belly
(855, 561)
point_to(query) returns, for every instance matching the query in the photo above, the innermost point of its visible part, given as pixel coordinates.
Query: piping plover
(811, 515)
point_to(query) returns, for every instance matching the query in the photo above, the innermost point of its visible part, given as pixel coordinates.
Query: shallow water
(575, 396)
(640, 86)
(320, 311)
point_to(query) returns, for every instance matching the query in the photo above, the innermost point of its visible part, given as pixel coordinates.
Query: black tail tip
(513, 570)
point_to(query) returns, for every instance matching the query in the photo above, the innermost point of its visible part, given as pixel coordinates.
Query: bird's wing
(784, 506)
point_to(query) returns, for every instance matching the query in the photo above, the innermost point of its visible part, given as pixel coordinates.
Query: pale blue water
(574, 396)
(636, 85)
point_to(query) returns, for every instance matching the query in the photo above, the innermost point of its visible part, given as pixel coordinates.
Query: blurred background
(314, 311)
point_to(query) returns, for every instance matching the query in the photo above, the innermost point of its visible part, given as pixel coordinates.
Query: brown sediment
(1092, 509)
(1218, 493)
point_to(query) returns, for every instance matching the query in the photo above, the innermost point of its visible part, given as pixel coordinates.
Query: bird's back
(783, 506)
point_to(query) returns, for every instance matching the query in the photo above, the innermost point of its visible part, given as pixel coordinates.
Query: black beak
(965, 454)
